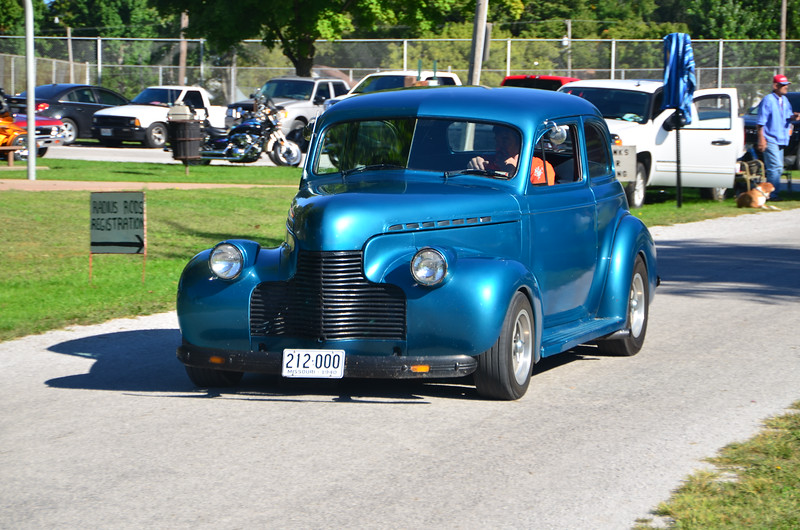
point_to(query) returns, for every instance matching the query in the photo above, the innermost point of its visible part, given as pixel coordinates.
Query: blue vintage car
(419, 245)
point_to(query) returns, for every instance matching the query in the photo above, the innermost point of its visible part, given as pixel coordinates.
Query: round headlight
(225, 261)
(428, 267)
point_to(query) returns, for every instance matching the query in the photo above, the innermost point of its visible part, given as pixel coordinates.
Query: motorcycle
(258, 133)
(14, 131)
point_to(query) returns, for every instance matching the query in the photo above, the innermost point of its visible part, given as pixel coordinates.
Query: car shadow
(703, 268)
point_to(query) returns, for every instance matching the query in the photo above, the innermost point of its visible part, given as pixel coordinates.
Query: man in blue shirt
(774, 129)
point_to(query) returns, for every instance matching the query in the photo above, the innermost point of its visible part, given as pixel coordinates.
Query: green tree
(296, 25)
(12, 16)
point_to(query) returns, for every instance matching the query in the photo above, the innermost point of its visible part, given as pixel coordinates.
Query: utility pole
(782, 59)
(478, 42)
(182, 58)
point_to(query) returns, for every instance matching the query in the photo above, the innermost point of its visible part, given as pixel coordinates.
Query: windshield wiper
(491, 173)
(359, 169)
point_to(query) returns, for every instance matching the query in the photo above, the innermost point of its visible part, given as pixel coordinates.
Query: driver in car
(506, 153)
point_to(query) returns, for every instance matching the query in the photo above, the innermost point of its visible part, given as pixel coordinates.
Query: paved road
(101, 428)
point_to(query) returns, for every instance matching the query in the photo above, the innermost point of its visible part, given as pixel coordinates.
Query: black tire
(635, 190)
(286, 154)
(41, 152)
(504, 370)
(70, 131)
(296, 135)
(208, 378)
(22, 154)
(638, 313)
(156, 135)
(713, 194)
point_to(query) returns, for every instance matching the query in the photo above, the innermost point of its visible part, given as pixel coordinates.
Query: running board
(561, 338)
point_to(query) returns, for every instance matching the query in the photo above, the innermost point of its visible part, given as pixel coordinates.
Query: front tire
(156, 135)
(638, 313)
(208, 378)
(504, 370)
(22, 141)
(286, 154)
(635, 190)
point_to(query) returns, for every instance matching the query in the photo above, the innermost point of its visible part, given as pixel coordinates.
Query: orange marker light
(216, 359)
(420, 368)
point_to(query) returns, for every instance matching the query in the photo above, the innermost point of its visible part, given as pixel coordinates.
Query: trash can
(185, 134)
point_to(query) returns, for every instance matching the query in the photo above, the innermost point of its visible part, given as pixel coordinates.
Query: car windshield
(288, 89)
(441, 145)
(613, 104)
(157, 96)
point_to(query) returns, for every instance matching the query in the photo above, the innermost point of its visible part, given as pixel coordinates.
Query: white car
(710, 144)
(398, 79)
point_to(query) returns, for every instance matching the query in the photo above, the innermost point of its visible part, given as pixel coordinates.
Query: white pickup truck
(145, 119)
(645, 151)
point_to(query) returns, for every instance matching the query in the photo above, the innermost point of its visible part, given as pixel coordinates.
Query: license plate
(316, 364)
(105, 132)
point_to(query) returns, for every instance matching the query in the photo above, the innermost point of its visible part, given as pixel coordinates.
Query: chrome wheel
(522, 348)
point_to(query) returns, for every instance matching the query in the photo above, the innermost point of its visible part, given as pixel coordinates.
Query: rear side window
(598, 155)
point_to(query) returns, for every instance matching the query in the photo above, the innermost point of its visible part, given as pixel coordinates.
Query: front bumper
(357, 366)
(132, 134)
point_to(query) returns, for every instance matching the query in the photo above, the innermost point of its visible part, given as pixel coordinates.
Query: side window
(109, 98)
(598, 156)
(713, 112)
(323, 91)
(81, 95)
(555, 160)
(193, 99)
(339, 89)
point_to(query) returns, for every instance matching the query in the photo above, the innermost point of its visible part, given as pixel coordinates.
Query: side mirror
(319, 100)
(675, 120)
(557, 134)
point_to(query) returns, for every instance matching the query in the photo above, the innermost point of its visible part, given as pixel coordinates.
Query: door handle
(721, 142)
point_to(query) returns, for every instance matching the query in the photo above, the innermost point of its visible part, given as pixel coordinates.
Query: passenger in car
(542, 172)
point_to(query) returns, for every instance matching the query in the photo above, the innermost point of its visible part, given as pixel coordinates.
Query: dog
(757, 197)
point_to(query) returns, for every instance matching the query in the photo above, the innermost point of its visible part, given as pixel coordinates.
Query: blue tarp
(679, 78)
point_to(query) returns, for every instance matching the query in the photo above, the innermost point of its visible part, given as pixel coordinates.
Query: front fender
(632, 239)
(465, 313)
(214, 313)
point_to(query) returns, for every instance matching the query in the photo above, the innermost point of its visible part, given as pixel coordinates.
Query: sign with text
(625, 162)
(117, 223)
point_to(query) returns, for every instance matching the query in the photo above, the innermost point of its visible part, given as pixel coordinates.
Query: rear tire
(713, 194)
(70, 131)
(208, 378)
(504, 370)
(638, 312)
(635, 190)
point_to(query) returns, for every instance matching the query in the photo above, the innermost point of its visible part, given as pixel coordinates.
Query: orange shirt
(540, 173)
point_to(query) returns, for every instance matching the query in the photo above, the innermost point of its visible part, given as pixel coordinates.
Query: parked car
(398, 79)
(14, 131)
(401, 262)
(543, 82)
(645, 135)
(302, 98)
(73, 104)
(145, 118)
(791, 155)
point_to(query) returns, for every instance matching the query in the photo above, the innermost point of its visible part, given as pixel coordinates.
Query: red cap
(781, 80)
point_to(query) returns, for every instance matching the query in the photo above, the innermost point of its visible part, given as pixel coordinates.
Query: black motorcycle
(258, 132)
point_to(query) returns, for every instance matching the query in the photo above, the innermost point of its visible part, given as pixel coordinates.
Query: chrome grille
(328, 299)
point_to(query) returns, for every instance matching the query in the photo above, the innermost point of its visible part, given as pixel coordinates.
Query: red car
(544, 82)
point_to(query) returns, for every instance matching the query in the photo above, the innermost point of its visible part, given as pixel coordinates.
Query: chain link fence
(129, 65)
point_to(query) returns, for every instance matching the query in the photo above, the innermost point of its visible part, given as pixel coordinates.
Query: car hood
(338, 215)
(131, 111)
(621, 127)
(279, 102)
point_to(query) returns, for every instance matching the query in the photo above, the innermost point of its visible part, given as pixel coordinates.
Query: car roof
(422, 73)
(302, 78)
(638, 85)
(522, 107)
